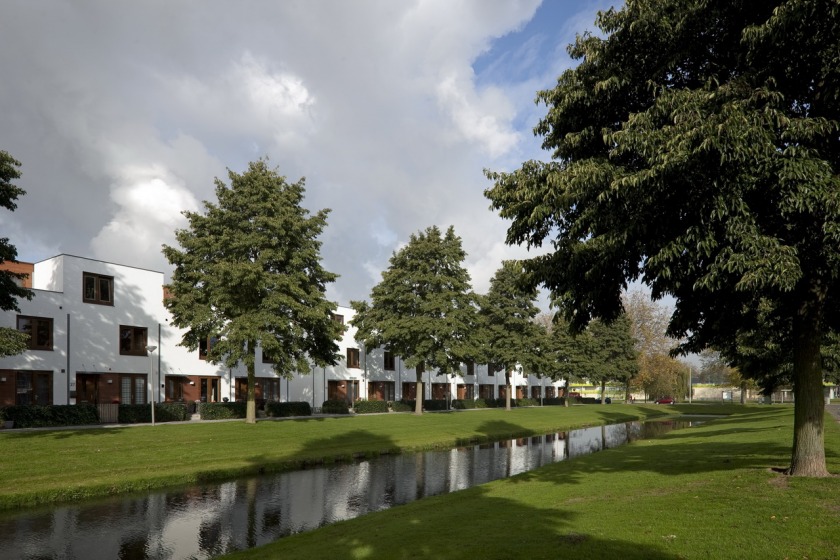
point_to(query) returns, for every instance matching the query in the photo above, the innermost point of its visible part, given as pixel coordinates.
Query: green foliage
(370, 407)
(435, 404)
(335, 407)
(527, 402)
(222, 411)
(695, 147)
(36, 416)
(402, 406)
(423, 309)
(11, 341)
(286, 409)
(142, 413)
(554, 401)
(249, 273)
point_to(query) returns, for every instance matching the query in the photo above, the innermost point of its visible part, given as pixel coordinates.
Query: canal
(204, 521)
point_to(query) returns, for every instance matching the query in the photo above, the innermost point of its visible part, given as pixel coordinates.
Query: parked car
(664, 400)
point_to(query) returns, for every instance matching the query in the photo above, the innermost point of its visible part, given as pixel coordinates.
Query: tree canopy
(11, 341)
(423, 309)
(696, 147)
(509, 334)
(249, 274)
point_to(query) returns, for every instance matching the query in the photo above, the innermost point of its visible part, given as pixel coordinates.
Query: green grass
(709, 492)
(60, 465)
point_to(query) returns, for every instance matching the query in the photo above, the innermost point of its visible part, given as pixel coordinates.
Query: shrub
(402, 406)
(142, 413)
(463, 404)
(527, 402)
(286, 409)
(555, 401)
(34, 416)
(335, 407)
(430, 404)
(369, 407)
(588, 400)
(221, 411)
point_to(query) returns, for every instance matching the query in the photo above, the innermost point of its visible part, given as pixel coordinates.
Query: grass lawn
(707, 492)
(55, 465)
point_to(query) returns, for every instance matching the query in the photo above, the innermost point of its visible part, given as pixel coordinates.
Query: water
(204, 521)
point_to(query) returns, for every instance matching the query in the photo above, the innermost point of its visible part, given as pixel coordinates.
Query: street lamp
(150, 350)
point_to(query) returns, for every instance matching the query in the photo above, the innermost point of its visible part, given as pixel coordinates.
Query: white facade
(98, 310)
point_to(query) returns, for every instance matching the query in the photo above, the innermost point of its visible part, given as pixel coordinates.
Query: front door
(210, 389)
(87, 389)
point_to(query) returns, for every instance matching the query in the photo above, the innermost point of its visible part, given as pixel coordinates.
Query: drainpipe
(68, 359)
(160, 380)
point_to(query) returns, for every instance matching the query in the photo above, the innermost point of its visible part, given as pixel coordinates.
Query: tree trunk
(808, 457)
(418, 391)
(251, 406)
(603, 391)
(566, 392)
(507, 392)
(743, 392)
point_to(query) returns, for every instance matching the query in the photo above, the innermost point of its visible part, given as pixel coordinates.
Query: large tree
(12, 341)
(423, 309)
(696, 147)
(613, 352)
(249, 274)
(509, 334)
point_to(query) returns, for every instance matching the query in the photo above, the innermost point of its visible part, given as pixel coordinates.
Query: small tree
(509, 333)
(12, 341)
(249, 273)
(613, 352)
(423, 309)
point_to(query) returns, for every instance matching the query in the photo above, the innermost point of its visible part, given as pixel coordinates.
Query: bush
(370, 407)
(335, 407)
(286, 409)
(555, 401)
(430, 404)
(142, 413)
(34, 416)
(402, 406)
(588, 400)
(527, 402)
(222, 411)
(468, 404)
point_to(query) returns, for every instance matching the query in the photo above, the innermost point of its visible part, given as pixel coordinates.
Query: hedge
(370, 407)
(335, 407)
(286, 409)
(527, 402)
(402, 406)
(142, 413)
(554, 401)
(36, 416)
(464, 404)
(222, 411)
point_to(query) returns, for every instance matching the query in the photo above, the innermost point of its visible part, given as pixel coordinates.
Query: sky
(123, 114)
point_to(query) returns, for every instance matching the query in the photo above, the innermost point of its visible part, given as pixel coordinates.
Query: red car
(664, 400)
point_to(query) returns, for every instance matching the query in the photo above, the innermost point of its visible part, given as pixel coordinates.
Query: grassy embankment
(709, 492)
(56, 465)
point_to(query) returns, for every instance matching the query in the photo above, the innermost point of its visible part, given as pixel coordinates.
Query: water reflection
(205, 521)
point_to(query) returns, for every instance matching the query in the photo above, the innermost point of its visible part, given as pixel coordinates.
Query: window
(389, 361)
(33, 388)
(338, 318)
(271, 389)
(174, 389)
(206, 345)
(492, 369)
(133, 389)
(209, 389)
(133, 340)
(40, 330)
(97, 289)
(353, 358)
(471, 368)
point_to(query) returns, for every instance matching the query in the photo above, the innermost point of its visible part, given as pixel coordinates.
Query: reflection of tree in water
(134, 547)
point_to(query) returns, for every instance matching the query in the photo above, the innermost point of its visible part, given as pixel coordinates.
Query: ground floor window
(550, 392)
(521, 391)
(486, 391)
(343, 390)
(270, 389)
(209, 389)
(409, 390)
(33, 388)
(441, 391)
(133, 389)
(174, 389)
(535, 392)
(381, 390)
(466, 392)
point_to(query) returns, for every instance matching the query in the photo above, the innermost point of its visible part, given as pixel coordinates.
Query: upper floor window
(133, 340)
(338, 318)
(40, 330)
(470, 367)
(353, 357)
(206, 345)
(390, 362)
(97, 288)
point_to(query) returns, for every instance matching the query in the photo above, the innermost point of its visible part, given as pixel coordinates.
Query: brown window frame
(31, 393)
(34, 323)
(338, 318)
(206, 345)
(353, 358)
(96, 296)
(174, 390)
(389, 361)
(135, 394)
(135, 349)
(470, 367)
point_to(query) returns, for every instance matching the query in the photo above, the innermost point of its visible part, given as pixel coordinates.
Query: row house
(100, 334)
